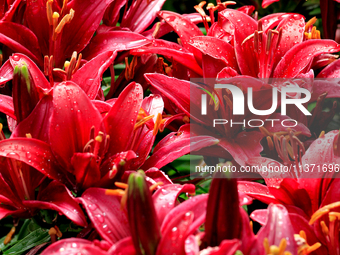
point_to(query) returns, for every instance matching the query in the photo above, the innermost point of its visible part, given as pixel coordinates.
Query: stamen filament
(154, 186)
(49, 11)
(143, 121)
(66, 19)
(121, 185)
(157, 124)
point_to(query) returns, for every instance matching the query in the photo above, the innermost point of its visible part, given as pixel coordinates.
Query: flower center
(97, 145)
(287, 145)
(303, 247)
(53, 18)
(123, 191)
(265, 49)
(310, 31)
(330, 231)
(276, 250)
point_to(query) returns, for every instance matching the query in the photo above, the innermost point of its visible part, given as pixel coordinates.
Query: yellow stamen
(121, 185)
(9, 236)
(314, 34)
(143, 121)
(49, 11)
(157, 124)
(251, 226)
(282, 246)
(199, 8)
(310, 23)
(55, 19)
(335, 214)
(115, 192)
(67, 64)
(28, 135)
(303, 234)
(130, 68)
(78, 63)
(63, 9)
(313, 247)
(270, 143)
(99, 137)
(250, 36)
(155, 32)
(322, 134)
(154, 186)
(264, 131)
(59, 233)
(123, 200)
(46, 64)
(324, 228)
(1, 126)
(186, 119)
(66, 19)
(322, 211)
(141, 114)
(266, 245)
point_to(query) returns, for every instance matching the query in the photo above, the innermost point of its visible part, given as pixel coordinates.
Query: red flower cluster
(77, 150)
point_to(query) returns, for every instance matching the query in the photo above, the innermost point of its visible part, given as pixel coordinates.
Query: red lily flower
(56, 31)
(115, 225)
(89, 150)
(306, 193)
(18, 184)
(329, 15)
(305, 197)
(20, 180)
(89, 76)
(260, 50)
(230, 139)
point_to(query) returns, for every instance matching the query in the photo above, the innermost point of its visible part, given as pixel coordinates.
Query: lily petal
(105, 213)
(6, 106)
(278, 226)
(182, 26)
(196, 204)
(298, 57)
(73, 246)
(38, 122)
(215, 48)
(241, 149)
(72, 118)
(33, 152)
(89, 76)
(257, 191)
(165, 198)
(245, 54)
(171, 51)
(57, 197)
(6, 72)
(174, 235)
(114, 41)
(175, 145)
(121, 119)
(141, 15)
(20, 39)
(331, 71)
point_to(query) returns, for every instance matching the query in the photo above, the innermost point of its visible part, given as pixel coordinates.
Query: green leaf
(37, 237)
